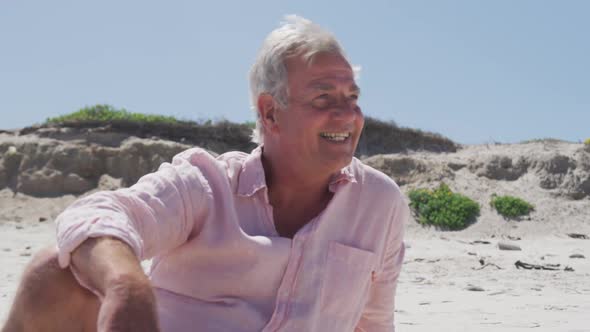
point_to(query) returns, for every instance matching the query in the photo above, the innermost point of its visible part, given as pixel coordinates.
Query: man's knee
(48, 291)
(43, 280)
(43, 264)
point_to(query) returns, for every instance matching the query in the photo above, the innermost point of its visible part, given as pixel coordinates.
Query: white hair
(295, 36)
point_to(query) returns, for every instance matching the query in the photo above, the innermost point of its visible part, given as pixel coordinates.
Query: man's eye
(322, 101)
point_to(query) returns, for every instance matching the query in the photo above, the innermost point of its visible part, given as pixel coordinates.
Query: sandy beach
(451, 281)
(443, 285)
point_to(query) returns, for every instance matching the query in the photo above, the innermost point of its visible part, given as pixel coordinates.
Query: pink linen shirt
(219, 263)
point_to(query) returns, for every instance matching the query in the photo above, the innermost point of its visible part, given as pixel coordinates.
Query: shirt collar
(346, 175)
(252, 175)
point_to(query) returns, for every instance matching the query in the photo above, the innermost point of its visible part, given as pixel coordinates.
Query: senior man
(296, 236)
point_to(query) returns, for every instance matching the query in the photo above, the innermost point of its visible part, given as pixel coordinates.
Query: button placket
(283, 293)
(287, 285)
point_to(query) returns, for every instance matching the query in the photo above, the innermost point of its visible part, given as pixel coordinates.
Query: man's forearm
(106, 262)
(109, 267)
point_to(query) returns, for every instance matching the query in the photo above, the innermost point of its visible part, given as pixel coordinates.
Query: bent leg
(49, 298)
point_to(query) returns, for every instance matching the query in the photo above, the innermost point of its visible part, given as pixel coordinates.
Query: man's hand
(111, 269)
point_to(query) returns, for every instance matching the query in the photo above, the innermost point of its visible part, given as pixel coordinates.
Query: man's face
(323, 122)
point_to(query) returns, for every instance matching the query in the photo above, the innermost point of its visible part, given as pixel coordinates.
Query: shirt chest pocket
(347, 279)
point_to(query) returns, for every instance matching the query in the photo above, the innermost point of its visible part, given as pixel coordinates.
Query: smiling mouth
(336, 137)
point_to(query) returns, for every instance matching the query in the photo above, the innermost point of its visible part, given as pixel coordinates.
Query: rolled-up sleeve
(156, 214)
(378, 315)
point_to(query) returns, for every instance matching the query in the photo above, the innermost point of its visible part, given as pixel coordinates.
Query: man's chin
(339, 162)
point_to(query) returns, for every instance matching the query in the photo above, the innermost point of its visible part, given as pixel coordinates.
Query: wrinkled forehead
(331, 82)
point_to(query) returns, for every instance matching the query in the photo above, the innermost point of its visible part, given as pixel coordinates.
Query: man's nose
(347, 111)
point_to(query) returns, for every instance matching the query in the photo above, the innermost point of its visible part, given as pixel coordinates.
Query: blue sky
(474, 71)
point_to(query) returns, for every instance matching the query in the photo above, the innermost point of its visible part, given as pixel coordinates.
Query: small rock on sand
(578, 236)
(508, 246)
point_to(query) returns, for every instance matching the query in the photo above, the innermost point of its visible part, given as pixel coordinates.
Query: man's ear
(267, 110)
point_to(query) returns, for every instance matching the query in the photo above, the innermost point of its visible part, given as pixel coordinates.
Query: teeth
(335, 136)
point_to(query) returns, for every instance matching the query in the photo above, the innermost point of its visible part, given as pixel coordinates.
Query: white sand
(433, 295)
(22, 234)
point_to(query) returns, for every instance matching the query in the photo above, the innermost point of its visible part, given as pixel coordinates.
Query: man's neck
(289, 184)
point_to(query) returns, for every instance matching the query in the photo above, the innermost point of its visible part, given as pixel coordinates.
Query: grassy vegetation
(107, 113)
(587, 142)
(382, 137)
(218, 136)
(549, 140)
(510, 206)
(443, 208)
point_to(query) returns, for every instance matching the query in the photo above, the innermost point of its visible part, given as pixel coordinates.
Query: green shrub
(510, 206)
(587, 142)
(443, 208)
